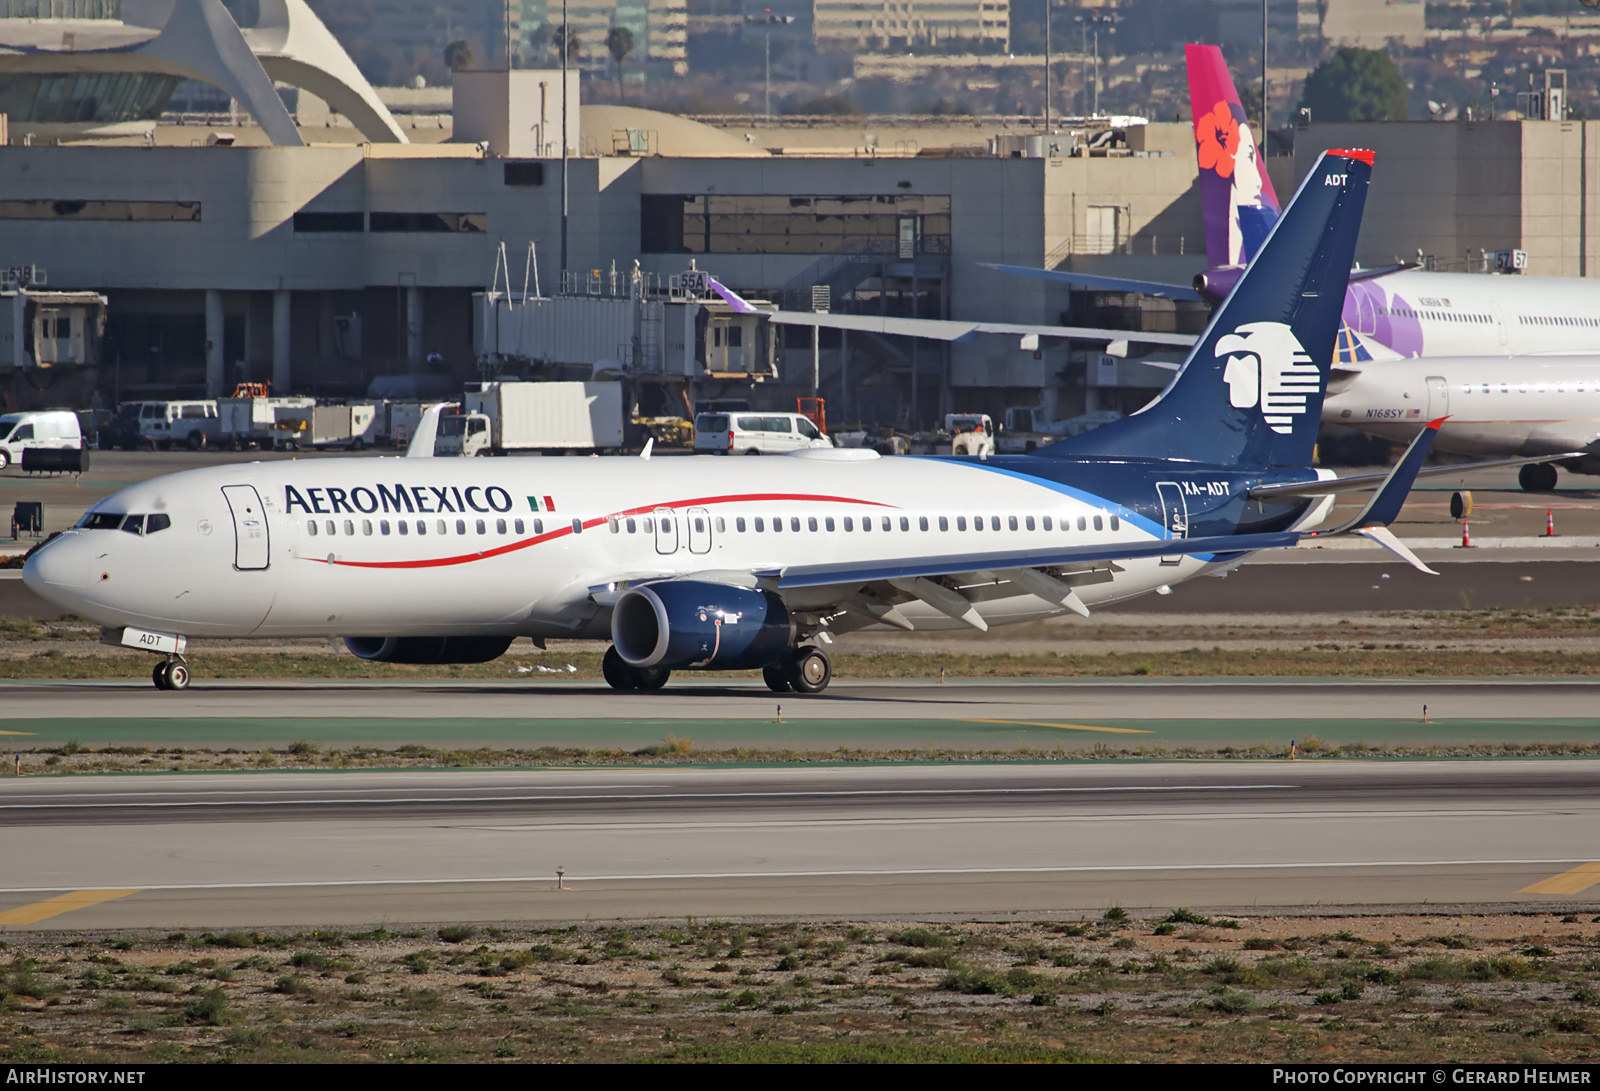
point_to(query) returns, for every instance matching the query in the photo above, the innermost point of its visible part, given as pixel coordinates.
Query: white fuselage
(1417, 313)
(1523, 406)
(401, 547)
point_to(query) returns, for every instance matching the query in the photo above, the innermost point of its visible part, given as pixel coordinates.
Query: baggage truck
(317, 427)
(501, 418)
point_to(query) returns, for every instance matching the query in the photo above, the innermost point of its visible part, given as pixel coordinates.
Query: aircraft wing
(939, 329)
(865, 593)
(947, 329)
(1094, 283)
(1370, 481)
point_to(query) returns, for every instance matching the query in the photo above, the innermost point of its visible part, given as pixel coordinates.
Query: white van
(52, 428)
(755, 433)
(190, 424)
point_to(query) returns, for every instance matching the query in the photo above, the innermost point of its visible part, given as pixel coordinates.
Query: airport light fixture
(1093, 18)
(768, 20)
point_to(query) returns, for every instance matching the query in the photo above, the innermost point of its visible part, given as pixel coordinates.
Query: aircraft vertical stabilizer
(1236, 196)
(1251, 391)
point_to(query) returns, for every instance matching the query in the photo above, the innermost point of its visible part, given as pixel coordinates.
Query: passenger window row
(828, 524)
(923, 522)
(757, 524)
(404, 527)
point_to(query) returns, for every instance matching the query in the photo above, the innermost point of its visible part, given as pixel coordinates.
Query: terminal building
(323, 256)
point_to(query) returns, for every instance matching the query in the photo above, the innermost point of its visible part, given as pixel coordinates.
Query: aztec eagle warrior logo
(1268, 367)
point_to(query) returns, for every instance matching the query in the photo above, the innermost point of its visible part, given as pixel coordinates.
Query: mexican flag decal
(541, 503)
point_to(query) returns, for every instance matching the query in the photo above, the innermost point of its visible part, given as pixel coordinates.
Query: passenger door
(1438, 397)
(1174, 514)
(666, 530)
(251, 547)
(699, 530)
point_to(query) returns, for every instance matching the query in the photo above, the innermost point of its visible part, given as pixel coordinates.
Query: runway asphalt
(341, 849)
(997, 714)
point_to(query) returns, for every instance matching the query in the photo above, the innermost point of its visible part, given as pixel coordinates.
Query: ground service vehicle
(756, 433)
(500, 418)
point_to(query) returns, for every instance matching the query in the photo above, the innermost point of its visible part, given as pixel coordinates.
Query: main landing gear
(1537, 477)
(171, 673)
(806, 669)
(620, 675)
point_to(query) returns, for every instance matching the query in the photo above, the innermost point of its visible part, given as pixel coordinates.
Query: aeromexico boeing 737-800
(751, 563)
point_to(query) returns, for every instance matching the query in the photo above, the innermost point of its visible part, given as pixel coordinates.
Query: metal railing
(60, 9)
(1137, 244)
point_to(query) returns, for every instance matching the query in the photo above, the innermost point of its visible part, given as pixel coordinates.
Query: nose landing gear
(171, 673)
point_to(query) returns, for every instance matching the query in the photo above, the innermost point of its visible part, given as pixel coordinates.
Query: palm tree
(619, 43)
(458, 55)
(560, 39)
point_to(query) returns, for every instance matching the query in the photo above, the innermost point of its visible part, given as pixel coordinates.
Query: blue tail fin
(1251, 391)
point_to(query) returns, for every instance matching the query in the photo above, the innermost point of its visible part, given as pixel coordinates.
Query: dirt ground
(1175, 986)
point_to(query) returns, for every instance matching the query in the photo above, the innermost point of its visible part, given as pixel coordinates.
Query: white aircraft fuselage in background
(1526, 406)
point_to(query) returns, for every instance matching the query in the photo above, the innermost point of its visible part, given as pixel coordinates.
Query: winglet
(421, 445)
(649, 445)
(730, 297)
(1385, 504)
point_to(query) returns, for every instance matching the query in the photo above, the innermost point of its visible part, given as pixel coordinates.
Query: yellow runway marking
(61, 903)
(18, 732)
(1576, 881)
(1071, 727)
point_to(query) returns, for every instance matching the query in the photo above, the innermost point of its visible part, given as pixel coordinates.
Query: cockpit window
(102, 520)
(116, 520)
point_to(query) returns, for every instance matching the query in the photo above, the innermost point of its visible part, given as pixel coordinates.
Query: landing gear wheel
(649, 678)
(617, 673)
(171, 674)
(775, 678)
(1538, 477)
(808, 670)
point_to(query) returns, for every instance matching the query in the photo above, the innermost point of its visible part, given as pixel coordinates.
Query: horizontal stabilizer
(1385, 537)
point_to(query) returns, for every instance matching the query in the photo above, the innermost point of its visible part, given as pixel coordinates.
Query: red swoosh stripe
(701, 501)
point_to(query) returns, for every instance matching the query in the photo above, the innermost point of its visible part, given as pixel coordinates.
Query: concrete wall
(1450, 189)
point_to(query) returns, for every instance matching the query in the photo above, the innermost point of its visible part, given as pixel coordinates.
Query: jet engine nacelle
(1215, 283)
(678, 624)
(428, 649)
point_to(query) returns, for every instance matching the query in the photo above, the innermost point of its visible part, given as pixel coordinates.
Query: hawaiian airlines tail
(1236, 196)
(1250, 393)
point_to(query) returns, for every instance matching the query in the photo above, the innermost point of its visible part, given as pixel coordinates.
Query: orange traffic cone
(1549, 523)
(1466, 535)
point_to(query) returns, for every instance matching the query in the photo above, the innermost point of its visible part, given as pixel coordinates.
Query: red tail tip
(1434, 424)
(1355, 153)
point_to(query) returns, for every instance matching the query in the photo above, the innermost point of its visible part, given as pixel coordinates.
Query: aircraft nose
(59, 571)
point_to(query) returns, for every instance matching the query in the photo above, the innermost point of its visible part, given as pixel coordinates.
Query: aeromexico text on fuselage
(404, 499)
